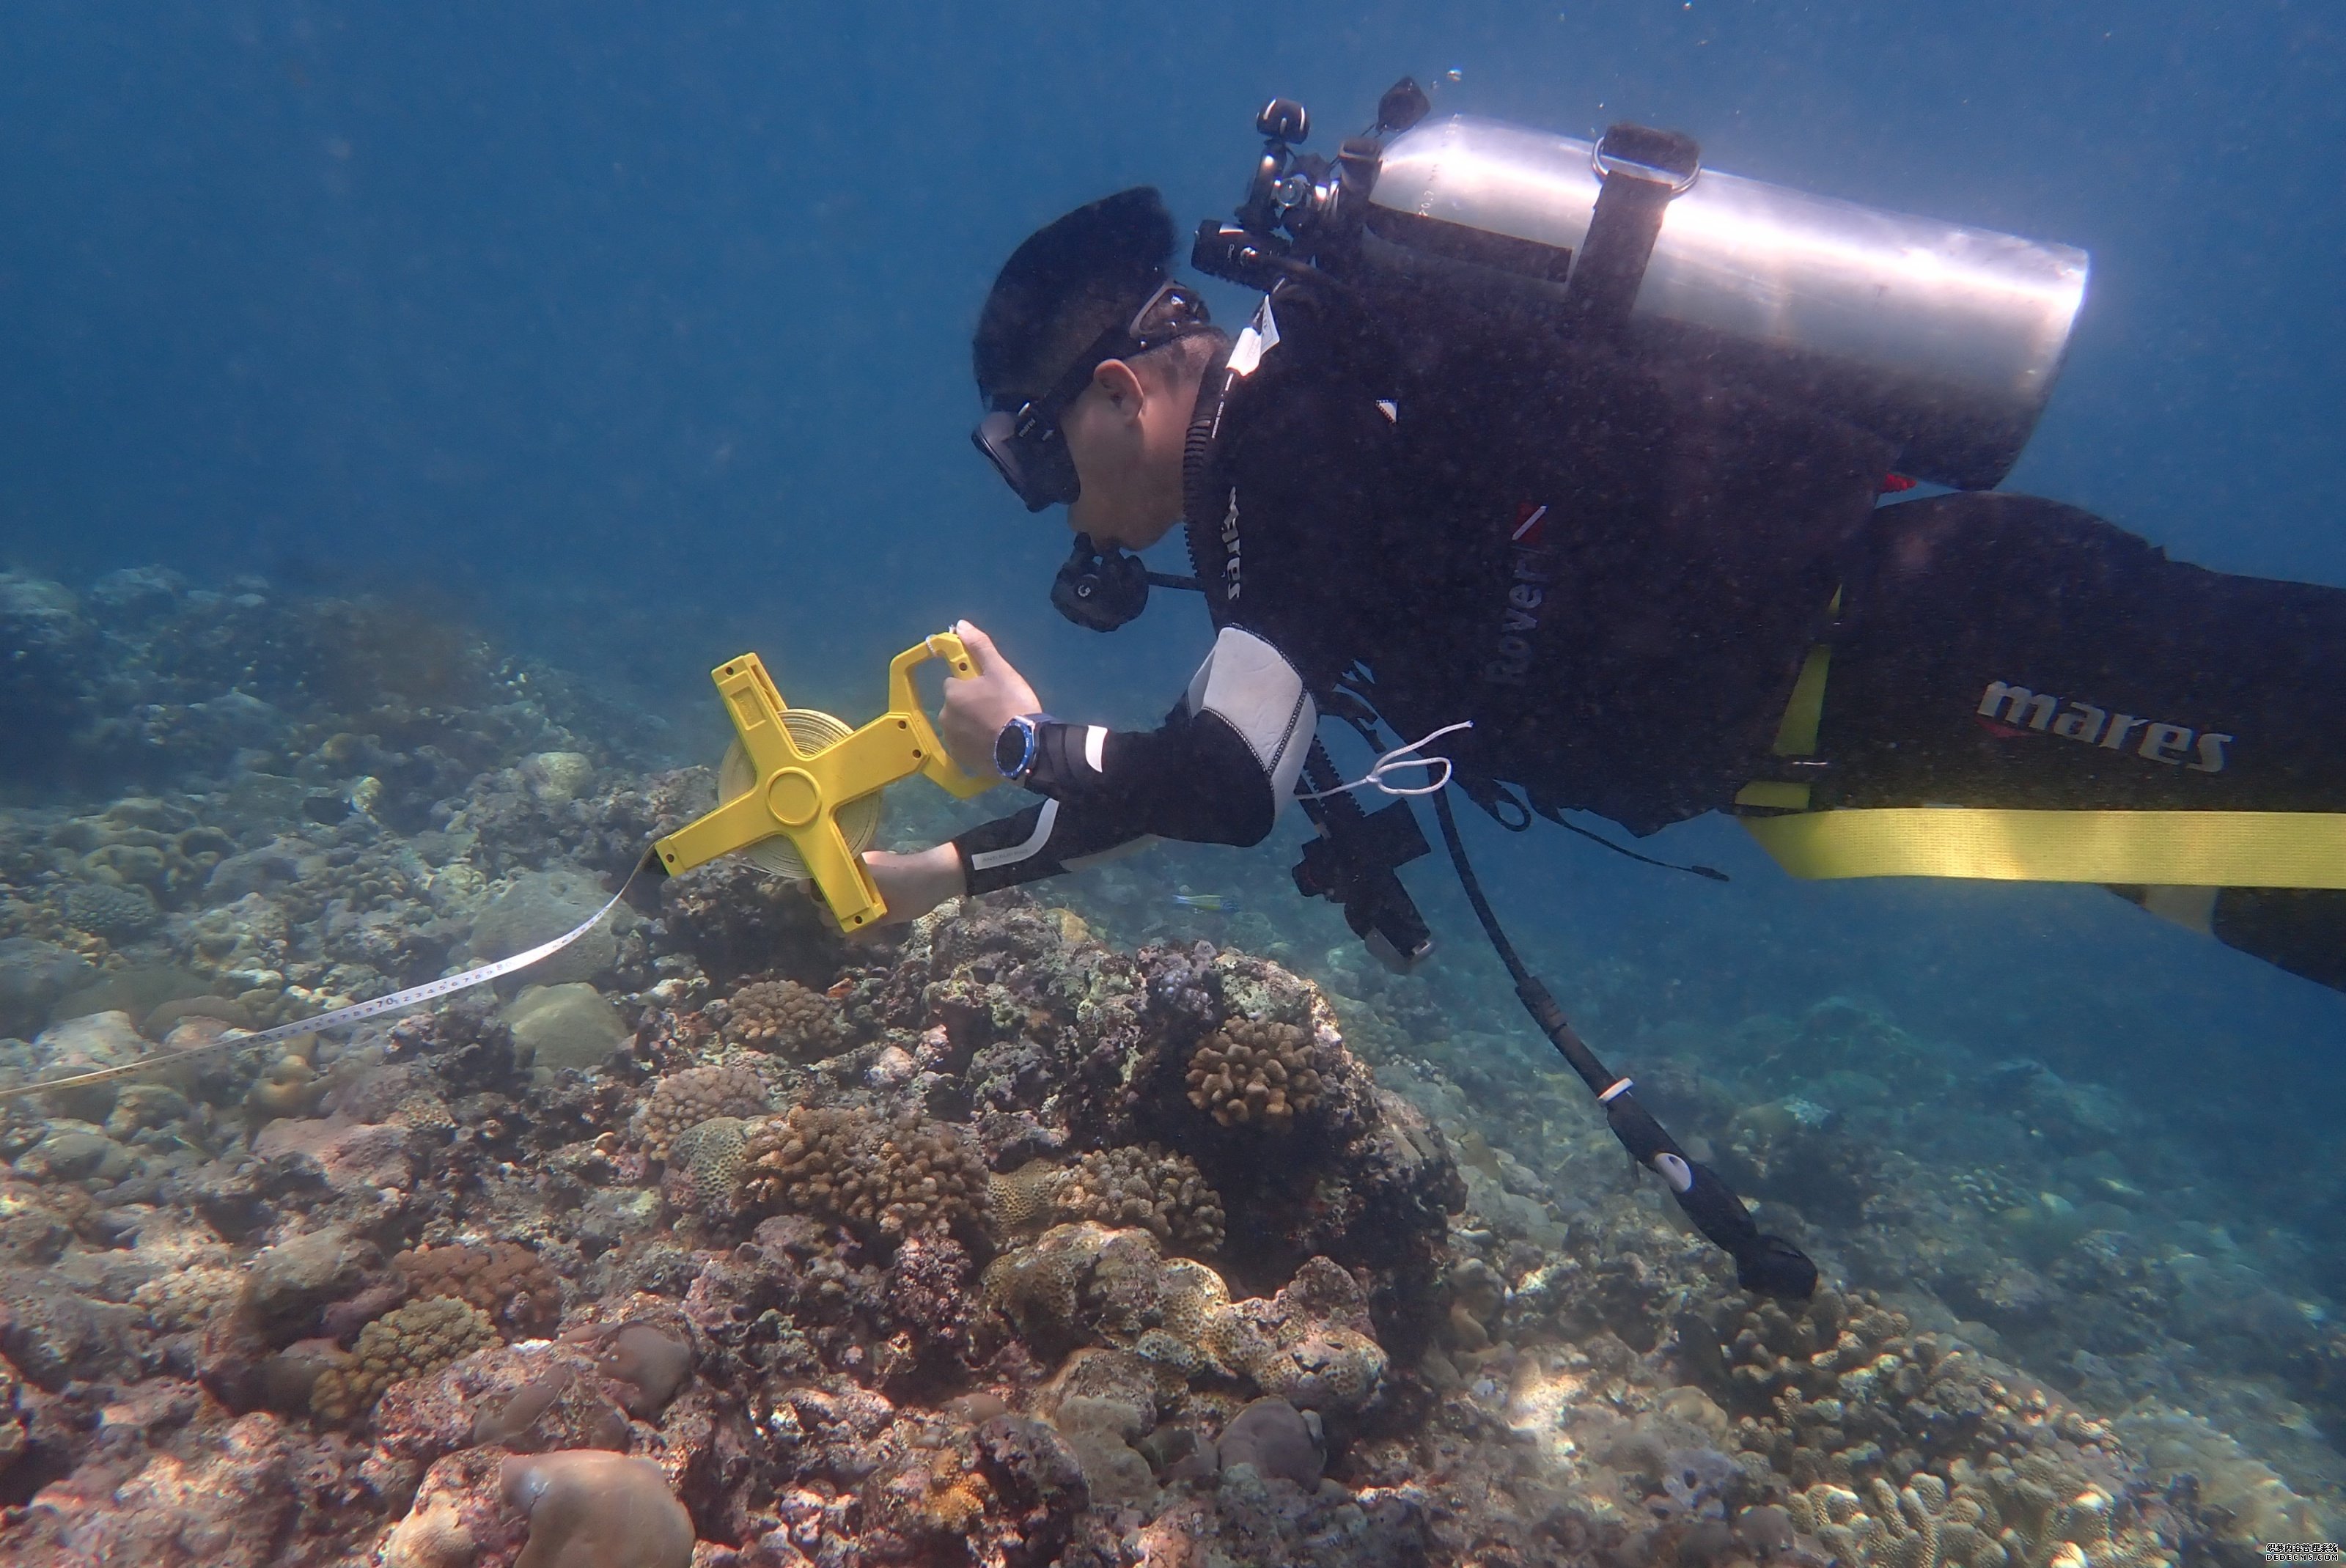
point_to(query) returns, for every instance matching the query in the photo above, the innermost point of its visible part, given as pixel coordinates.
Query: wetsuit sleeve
(1214, 772)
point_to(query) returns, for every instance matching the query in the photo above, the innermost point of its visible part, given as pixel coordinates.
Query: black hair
(1073, 279)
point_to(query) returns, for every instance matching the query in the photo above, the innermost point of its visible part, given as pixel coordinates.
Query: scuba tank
(1943, 338)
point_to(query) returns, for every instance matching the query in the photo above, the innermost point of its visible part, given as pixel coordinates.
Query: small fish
(1212, 903)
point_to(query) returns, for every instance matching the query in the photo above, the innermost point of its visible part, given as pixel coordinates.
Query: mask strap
(1401, 757)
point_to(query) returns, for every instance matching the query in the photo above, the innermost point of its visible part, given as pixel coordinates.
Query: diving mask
(1024, 442)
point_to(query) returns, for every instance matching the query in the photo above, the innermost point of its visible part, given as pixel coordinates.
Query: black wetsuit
(1616, 570)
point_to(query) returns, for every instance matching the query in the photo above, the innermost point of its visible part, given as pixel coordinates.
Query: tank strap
(1640, 170)
(2155, 850)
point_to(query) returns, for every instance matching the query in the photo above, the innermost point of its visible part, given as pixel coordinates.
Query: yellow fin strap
(798, 794)
(2169, 848)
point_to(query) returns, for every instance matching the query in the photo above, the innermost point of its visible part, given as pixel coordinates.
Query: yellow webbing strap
(2153, 848)
(2161, 849)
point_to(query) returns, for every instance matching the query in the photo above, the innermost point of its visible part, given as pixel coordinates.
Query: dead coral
(783, 1015)
(1162, 1193)
(884, 1179)
(505, 1279)
(686, 1099)
(417, 1339)
(1254, 1073)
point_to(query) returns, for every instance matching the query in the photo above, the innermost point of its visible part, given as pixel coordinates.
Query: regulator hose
(1766, 1265)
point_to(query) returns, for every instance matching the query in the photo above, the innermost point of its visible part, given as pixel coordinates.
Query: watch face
(1010, 749)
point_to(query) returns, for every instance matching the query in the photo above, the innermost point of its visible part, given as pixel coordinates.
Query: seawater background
(637, 335)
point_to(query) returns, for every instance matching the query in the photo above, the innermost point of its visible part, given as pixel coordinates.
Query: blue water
(638, 335)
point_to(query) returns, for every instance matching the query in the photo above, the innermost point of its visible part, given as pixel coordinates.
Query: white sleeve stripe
(1096, 748)
(1014, 853)
(1255, 691)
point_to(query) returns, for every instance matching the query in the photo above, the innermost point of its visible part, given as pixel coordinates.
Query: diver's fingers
(981, 646)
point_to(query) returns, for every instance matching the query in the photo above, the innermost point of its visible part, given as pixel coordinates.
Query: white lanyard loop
(1397, 759)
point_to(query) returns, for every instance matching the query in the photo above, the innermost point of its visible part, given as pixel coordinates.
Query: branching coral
(415, 1339)
(1848, 1386)
(886, 1179)
(1253, 1072)
(2032, 1513)
(783, 1015)
(1160, 1192)
(505, 1279)
(686, 1099)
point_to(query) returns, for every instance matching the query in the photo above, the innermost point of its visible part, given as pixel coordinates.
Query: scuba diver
(1533, 457)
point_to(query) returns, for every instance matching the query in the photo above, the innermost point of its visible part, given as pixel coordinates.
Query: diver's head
(1089, 357)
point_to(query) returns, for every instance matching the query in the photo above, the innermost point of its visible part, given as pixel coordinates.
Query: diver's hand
(912, 885)
(978, 705)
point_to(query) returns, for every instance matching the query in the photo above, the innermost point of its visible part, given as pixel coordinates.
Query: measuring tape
(397, 1001)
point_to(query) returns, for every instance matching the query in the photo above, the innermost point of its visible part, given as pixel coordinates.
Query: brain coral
(413, 1341)
(1162, 1193)
(783, 1015)
(1251, 1072)
(1022, 1198)
(686, 1099)
(111, 910)
(884, 1178)
(705, 1163)
(505, 1279)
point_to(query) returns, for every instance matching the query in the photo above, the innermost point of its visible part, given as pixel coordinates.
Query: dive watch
(1018, 745)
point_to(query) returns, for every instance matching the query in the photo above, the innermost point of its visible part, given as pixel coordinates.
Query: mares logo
(1531, 569)
(2005, 708)
(1231, 584)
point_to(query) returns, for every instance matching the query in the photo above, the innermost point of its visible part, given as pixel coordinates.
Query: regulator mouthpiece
(1101, 592)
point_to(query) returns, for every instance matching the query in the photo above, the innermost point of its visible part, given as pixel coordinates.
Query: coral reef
(1054, 1250)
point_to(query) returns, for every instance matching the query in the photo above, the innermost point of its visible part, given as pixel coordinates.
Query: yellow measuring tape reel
(799, 791)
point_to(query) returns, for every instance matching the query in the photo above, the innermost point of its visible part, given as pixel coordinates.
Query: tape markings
(397, 1001)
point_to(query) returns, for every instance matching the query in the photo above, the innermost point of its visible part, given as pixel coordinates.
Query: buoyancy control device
(1942, 338)
(1466, 238)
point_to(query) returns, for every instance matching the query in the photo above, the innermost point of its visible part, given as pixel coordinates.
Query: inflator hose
(1766, 1265)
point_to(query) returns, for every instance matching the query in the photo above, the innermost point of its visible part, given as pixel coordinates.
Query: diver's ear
(1119, 383)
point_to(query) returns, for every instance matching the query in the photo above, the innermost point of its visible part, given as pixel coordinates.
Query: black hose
(1767, 1265)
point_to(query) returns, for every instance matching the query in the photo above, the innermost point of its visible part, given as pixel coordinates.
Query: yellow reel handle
(904, 701)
